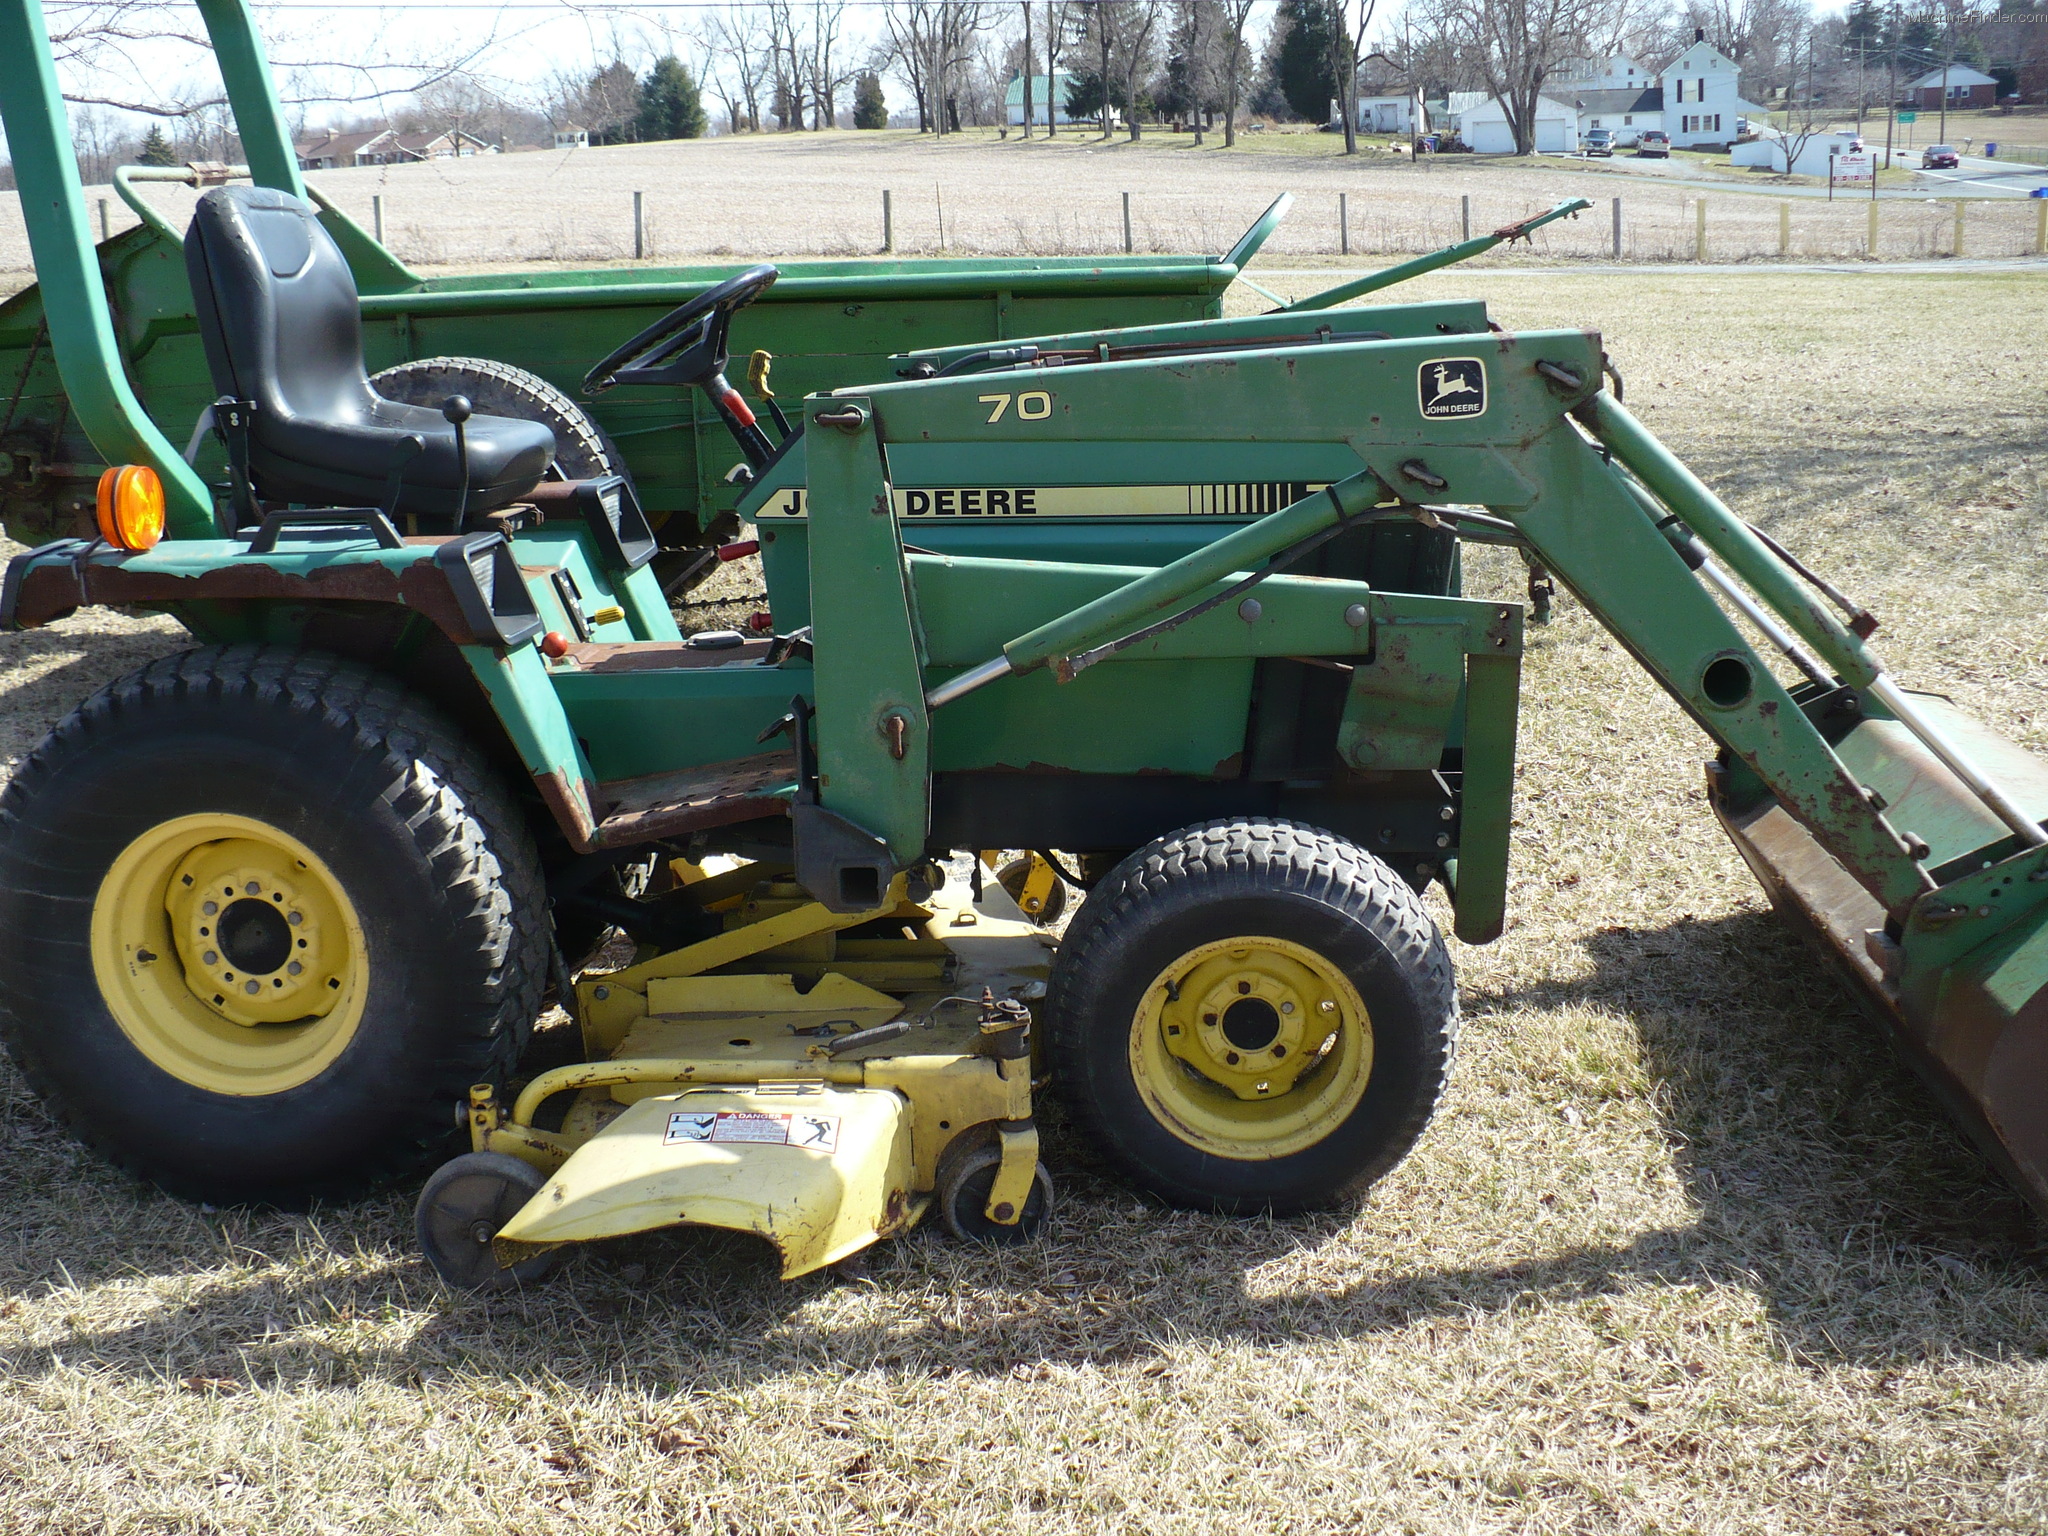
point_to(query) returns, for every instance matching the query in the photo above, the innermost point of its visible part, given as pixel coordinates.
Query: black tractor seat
(283, 328)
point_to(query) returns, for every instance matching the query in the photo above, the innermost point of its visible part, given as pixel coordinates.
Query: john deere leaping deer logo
(1452, 386)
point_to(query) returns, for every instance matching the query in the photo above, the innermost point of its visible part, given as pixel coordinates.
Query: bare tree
(1057, 20)
(1804, 120)
(738, 37)
(1347, 42)
(1237, 15)
(930, 42)
(118, 45)
(1513, 45)
(826, 71)
(1137, 21)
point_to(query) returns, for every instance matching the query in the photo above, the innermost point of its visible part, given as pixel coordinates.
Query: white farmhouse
(1695, 99)
(1702, 97)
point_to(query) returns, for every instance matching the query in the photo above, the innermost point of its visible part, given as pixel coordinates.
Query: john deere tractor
(1174, 607)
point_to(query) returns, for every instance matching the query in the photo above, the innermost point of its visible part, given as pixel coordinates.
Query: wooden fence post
(1960, 206)
(1699, 230)
(1871, 243)
(105, 232)
(639, 226)
(1617, 229)
(1127, 223)
(888, 224)
(1784, 229)
(377, 217)
(1465, 215)
(1343, 223)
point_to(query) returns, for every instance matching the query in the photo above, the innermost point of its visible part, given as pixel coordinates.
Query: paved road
(2003, 178)
(1329, 277)
(1976, 177)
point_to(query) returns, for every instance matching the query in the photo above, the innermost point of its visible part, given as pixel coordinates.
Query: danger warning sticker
(815, 1133)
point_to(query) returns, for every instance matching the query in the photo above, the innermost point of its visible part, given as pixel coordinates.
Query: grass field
(1686, 1250)
(793, 195)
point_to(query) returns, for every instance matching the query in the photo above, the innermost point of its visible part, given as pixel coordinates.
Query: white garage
(1484, 128)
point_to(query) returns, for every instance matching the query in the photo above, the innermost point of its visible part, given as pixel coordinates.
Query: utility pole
(1891, 95)
(1948, 55)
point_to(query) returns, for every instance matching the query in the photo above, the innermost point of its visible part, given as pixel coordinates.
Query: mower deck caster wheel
(1012, 877)
(962, 1198)
(460, 1212)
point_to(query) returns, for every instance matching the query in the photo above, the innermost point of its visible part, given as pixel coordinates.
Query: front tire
(264, 917)
(1252, 1015)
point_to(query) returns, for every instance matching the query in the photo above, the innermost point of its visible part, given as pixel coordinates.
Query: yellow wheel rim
(229, 954)
(1251, 1048)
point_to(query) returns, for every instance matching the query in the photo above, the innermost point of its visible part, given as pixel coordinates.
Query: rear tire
(1252, 1015)
(377, 944)
(582, 449)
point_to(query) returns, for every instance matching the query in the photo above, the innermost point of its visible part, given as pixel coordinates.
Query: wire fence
(496, 219)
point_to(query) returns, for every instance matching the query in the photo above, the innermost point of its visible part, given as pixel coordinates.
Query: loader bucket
(1962, 984)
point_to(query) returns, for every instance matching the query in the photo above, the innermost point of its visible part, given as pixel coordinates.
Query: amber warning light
(131, 507)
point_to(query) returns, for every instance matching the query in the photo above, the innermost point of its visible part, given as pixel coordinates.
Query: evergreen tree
(1301, 63)
(1084, 94)
(870, 107)
(670, 105)
(1863, 30)
(156, 149)
(610, 105)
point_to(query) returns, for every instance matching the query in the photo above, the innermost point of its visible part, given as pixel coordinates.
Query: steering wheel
(686, 345)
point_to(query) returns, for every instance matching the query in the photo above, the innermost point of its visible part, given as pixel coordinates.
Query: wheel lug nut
(1231, 1057)
(211, 957)
(254, 887)
(1244, 987)
(293, 969)
(210, 907)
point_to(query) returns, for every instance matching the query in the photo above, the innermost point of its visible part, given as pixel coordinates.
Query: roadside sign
(1854, 168)
(1909, 117)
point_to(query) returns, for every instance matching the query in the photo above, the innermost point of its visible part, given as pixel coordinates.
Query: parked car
(1938, 157)
(1655, 143)
(1598, 141)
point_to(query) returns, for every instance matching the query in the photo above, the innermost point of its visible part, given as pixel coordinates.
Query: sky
(371, 50)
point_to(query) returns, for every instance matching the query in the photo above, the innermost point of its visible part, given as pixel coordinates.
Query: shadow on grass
(1825, 1181)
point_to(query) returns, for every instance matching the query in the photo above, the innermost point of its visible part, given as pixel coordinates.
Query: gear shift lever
(456, 409)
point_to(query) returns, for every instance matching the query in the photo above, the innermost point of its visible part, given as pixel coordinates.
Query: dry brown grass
(1685, 1252)
(820, 195)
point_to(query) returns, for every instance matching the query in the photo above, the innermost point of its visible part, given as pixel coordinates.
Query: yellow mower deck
(724, 1089)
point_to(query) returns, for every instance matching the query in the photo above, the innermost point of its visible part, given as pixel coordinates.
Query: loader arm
(1908, 838)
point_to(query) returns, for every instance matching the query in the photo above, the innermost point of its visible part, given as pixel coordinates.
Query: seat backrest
(277, 306)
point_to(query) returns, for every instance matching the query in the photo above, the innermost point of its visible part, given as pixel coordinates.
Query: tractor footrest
(663, 804)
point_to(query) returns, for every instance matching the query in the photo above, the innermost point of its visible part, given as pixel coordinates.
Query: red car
(1938, 157)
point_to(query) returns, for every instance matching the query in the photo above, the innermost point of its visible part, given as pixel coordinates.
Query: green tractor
(1175, 606)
